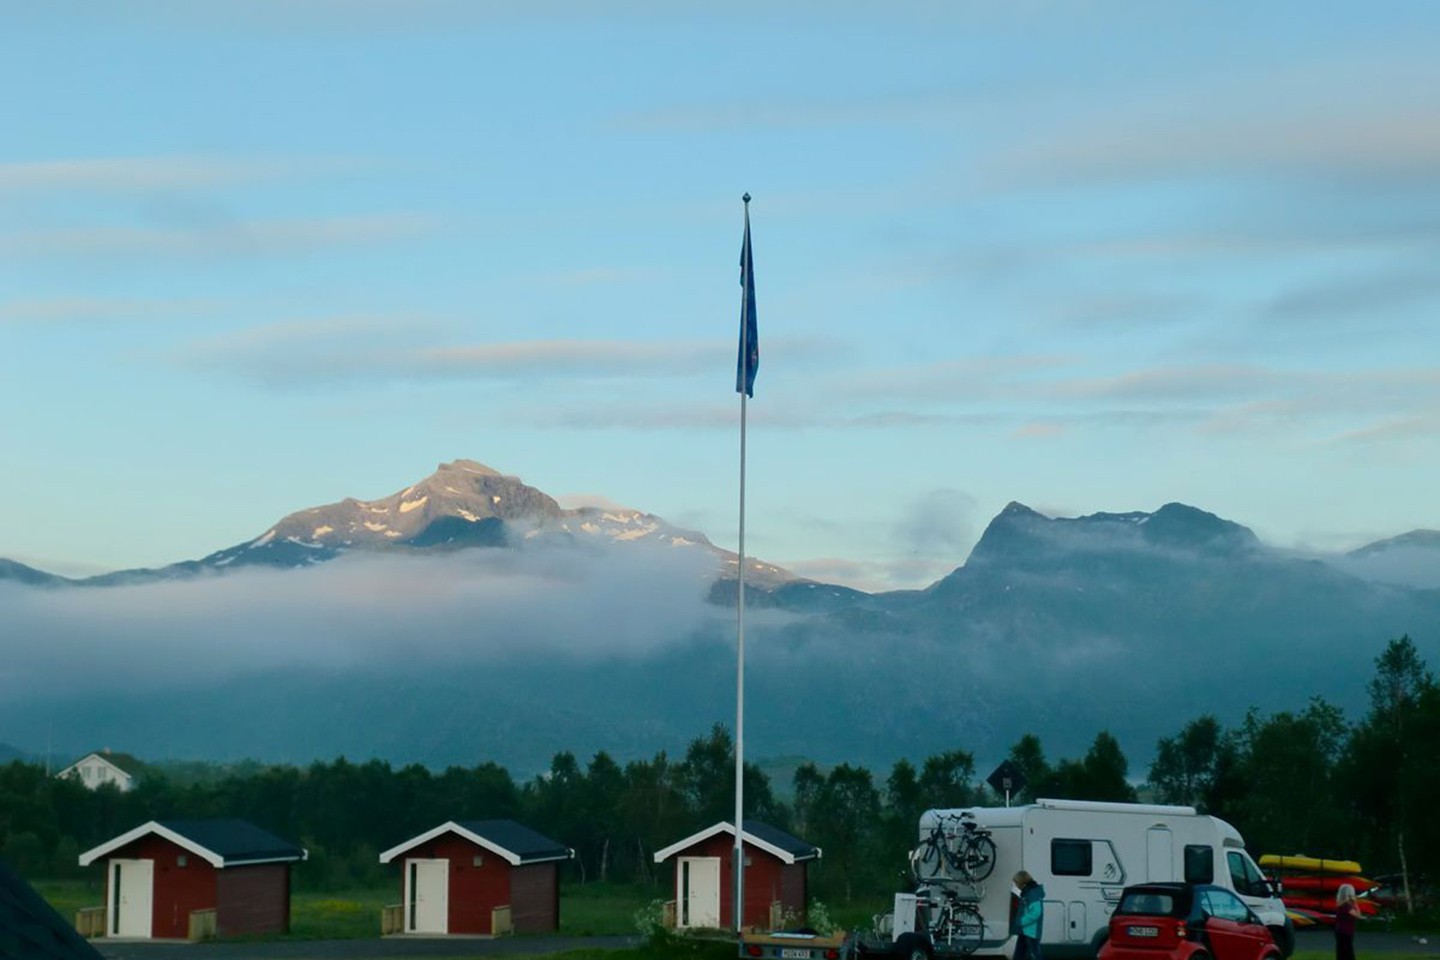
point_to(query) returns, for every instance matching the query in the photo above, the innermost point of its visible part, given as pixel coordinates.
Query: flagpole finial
(746, 198)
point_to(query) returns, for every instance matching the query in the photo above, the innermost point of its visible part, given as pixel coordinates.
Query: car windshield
(1149, 903)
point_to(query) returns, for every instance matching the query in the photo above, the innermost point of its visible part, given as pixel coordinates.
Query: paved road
(1371, 942)
(411, 948)
(1368, 943)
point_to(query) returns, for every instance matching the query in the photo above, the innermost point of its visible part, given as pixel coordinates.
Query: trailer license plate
(1143, 931)
(794, 953)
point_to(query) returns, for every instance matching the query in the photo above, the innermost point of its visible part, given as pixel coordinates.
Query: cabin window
(1199, 863)
(1071, 858)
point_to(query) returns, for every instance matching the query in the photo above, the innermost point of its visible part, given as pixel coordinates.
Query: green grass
(68, 896)
(603, 909)
(343, 915)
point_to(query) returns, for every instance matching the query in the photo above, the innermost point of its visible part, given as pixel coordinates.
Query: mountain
(462, 504)
(470, 617)
(19, 573)
(1411, 559)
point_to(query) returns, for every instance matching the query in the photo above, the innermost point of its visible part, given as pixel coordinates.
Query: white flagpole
(738, 907)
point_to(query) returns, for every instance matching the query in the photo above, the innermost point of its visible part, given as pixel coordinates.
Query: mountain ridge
(451, 651)
(466, 503)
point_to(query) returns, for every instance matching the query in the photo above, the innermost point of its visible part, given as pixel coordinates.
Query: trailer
(1083, 853)
(788, 945)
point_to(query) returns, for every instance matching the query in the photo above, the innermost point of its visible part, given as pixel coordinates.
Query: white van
(1085, 853)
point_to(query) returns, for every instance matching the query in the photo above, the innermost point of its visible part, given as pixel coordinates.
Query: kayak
(1313, 864)
(1309, 918)
(1327, 884)
(1322, 904)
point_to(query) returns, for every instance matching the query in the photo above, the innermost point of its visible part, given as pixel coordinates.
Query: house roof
(772, 840)
(123, 762)
(221, 843)
(30, 929)
(515, 842)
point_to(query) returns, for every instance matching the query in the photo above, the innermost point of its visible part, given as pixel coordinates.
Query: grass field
(594, 909)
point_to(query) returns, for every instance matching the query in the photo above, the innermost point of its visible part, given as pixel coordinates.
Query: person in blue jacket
(1029, 917)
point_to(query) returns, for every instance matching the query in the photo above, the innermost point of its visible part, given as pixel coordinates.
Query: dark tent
(30, 929)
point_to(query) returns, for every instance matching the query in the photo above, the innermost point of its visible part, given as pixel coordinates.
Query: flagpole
(743, 384)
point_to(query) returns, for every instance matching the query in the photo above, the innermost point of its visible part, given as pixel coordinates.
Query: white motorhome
(1084, 853)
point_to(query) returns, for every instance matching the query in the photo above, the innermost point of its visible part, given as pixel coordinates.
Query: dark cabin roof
(776, 837)
(236, 841)
(517, 838)
(223, 843)
(30, 929)
(517, 843)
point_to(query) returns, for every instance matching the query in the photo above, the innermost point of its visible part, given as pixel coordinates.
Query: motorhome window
(1071, 858)
(1245, 877)
(1199, 863)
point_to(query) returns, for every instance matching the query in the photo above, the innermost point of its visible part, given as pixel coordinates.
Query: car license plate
(794, 953)
(1143, 931)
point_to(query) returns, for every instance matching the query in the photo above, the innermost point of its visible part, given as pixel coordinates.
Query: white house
(96, 769)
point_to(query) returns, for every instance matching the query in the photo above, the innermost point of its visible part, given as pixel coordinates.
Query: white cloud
(472, 606)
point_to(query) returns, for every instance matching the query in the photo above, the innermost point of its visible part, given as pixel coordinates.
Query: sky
(259, 256)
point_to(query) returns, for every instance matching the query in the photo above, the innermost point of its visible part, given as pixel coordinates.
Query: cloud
(940, 522)
(377, 349)
(137, 174)
(469, 607)
(215, 235)
(65, 310)
(1362, 118)
(1373, 297)
(1039, 431)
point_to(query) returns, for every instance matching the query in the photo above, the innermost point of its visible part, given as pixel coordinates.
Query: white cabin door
(1159, 855)
(698, 892)
(427, 896)
(132, 897)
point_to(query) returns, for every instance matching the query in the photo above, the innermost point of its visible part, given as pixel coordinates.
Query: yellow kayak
(1300, 919)
(1313, 864)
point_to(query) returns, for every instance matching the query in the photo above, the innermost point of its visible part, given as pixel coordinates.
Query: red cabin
(776, 885)
(479, 877)
(162, 878)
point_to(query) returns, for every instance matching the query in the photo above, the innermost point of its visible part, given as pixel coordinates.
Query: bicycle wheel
(978, 857)
(968, 929)
(928, 861)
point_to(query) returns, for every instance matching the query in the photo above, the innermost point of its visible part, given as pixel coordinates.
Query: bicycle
(973, 850)
(967, 852)
(953, 920)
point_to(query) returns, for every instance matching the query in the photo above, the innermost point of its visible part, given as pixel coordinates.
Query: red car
(1186, 921)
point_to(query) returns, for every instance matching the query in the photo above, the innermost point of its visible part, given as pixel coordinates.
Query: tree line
(1293, 781)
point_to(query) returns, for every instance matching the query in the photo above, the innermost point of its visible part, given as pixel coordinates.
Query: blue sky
(1087, 255)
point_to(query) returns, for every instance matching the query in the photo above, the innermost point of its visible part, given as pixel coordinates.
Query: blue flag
(748, 360)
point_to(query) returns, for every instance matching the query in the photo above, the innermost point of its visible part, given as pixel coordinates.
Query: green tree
(843, 817)
(1029, 756)
(1187, 766)
(1389, 766)
(1288, 761)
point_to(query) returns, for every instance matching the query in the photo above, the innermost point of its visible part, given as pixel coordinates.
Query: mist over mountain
(1411, 559)
(470, 617)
